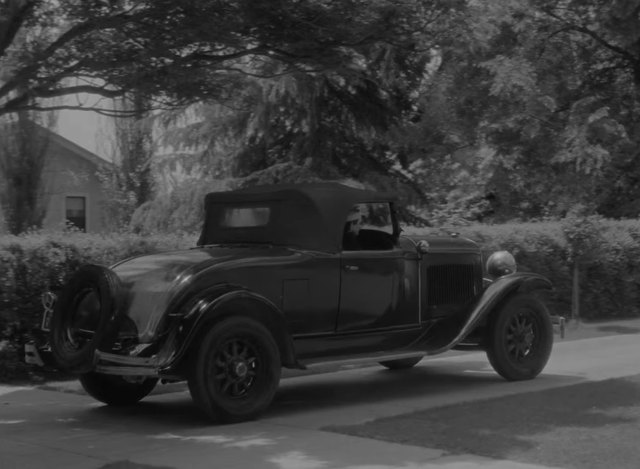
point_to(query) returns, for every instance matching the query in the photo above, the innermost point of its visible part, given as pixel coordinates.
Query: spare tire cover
(85, 317)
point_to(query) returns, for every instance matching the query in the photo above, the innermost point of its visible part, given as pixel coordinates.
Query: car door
(370, 289)
(373, 282)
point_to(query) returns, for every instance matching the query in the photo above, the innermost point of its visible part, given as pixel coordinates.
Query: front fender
(223, 302)
(492, 297)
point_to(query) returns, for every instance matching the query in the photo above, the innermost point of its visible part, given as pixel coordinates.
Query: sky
(87, 129)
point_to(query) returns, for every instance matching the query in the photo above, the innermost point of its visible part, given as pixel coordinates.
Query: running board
(362, 359)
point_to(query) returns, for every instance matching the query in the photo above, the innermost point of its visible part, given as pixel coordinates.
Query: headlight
(501, 263)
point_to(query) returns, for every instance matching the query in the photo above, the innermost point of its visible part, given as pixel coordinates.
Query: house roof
(76, 149)
(66, 144)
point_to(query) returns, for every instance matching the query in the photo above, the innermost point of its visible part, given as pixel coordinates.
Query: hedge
(35, 262)
(606, 253)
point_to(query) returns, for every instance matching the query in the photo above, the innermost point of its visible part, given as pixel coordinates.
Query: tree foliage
(470, 109)
(533, 109)
(336, 122)
(24, 141)
(180, 52)
(128, 182)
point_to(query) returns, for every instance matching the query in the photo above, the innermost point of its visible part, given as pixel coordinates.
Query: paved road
(314, 422)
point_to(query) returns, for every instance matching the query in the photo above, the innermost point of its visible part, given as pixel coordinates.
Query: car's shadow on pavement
(377, 384)
(299, 395)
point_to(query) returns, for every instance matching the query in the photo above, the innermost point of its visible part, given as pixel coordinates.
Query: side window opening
(368, 226)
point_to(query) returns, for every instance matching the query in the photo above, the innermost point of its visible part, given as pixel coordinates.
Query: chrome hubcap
(235, 367)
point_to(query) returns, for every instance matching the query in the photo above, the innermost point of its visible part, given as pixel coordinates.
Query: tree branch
(76, 89)
(568, 25)
(71, 34)
(104, 111)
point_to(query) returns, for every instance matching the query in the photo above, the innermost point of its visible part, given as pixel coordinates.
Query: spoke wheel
(522, 332)
(520, 338)
(235, 367)
(235, 370)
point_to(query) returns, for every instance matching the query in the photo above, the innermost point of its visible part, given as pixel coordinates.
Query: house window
(76, 212)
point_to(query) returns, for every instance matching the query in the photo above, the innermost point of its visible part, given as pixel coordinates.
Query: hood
(450, 244)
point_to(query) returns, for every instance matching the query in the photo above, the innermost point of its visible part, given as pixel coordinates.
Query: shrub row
(606, 252)
(33, 263)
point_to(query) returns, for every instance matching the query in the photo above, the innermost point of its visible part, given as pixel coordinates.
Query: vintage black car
(291, 276)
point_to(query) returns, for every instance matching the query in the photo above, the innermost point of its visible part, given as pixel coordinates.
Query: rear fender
(224, 302)
(493, 296)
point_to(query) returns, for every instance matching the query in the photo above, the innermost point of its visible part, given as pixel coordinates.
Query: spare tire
(85, 317)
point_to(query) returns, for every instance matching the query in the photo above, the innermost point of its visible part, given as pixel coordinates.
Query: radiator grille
(452, 283)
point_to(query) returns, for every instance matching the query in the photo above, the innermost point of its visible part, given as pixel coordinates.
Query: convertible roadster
(291, 276)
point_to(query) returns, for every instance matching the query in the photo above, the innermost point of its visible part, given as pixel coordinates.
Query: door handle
(351, 268)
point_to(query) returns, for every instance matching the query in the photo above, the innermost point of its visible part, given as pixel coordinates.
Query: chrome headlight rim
(500, 264)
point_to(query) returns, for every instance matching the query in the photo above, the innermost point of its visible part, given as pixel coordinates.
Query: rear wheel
(401, 363)
(117, 390)
(520, 338)
(236, 370)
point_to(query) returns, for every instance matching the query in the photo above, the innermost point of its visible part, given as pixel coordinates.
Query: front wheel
(236, 370)
(520, 338)
(117, 390)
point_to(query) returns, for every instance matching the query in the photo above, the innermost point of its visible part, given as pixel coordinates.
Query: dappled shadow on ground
(538, 427)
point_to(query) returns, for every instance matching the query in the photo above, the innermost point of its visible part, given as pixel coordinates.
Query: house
(72, 192)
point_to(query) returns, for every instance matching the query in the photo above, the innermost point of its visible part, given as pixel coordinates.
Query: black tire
(235, 370)
(117, 390)
(520, 338)
(401, 363)
(84, 318)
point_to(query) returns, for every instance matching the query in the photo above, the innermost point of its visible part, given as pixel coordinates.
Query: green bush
(606, 251)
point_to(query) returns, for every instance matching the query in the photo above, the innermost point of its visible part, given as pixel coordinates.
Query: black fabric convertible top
(308, 216)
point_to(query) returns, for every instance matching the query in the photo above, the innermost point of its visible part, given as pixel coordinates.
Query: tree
(24, 141)
(532, 110)
(129, 180)
(604, 102)
(178, 53)
(335, 123)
